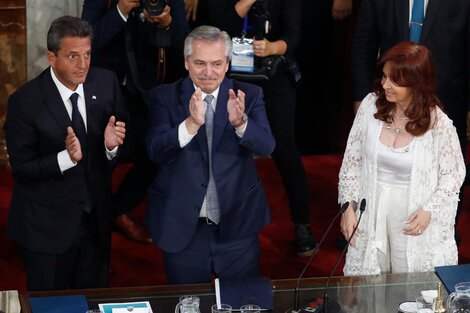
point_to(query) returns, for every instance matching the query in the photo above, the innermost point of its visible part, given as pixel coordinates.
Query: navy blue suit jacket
(178, 191)
(47, 205)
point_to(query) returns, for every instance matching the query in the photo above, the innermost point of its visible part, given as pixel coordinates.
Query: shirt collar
(65, 93)
(215, 93)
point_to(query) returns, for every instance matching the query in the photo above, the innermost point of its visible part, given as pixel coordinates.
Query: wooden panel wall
(12, 57)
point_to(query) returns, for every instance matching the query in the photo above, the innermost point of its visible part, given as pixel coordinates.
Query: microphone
(315, 250)
(335, 308)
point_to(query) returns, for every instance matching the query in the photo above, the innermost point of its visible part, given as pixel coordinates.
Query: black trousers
(280, 98)
(133, 188)
(84, 265)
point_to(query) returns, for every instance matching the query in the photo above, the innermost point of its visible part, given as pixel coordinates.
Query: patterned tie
(417, 18)
(77, 123)
(212, 200)
(79, 129)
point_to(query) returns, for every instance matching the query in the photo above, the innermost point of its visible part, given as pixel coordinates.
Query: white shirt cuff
(240, 131)
(64, 160)
(111, 154)
(184, 137)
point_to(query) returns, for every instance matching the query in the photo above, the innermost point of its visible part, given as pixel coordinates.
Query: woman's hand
(264, 47)
(418, 222)
(348, 223)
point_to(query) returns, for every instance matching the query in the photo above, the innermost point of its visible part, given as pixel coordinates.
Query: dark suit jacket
(446, 33)
(178, 191)
(47, 205)
(109, 43)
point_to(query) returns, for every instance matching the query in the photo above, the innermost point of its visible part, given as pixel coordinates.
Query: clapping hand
(114, 133)
(72, 144)
(236, 107)
(197, 112)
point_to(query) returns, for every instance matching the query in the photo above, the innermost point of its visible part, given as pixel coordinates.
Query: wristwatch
(243, 121)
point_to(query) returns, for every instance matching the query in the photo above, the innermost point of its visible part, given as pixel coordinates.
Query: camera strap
(160, 69)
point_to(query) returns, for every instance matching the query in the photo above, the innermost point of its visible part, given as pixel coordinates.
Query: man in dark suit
(445, 32)
(207, 204)
(62, 132)
(144, 51)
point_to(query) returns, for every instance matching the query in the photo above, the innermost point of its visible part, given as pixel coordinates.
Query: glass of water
(423, 306)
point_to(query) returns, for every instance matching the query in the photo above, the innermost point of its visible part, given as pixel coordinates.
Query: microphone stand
(296, 290)
(325, 296)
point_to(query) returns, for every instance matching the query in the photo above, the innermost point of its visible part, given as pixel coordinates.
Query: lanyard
(245, 26)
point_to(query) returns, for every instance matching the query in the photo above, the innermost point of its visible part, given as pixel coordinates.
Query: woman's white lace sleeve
(350, 172)
(451, 172)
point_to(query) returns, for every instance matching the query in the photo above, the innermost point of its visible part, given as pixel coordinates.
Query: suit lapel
(221, 115)
(402, 15)
(431, 13)
(54, 102)
(187, 90)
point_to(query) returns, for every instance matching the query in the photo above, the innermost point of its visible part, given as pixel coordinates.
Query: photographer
(275, 26)
(142, 41)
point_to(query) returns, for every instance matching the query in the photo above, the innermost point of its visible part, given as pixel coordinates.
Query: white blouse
(394, 165)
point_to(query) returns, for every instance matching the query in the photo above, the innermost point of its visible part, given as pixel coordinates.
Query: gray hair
(66, 26)
(208, 33)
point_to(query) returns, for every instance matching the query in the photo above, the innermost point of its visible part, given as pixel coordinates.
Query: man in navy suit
(206, 209)
(62, 133)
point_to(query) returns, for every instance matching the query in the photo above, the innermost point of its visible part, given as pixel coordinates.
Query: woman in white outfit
(403, 156)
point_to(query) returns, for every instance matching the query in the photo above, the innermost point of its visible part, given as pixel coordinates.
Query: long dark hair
(411, 66)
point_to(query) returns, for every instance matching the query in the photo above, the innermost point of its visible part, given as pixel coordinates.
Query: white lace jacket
(437, 174)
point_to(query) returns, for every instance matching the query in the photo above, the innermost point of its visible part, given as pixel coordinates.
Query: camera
(153, 7)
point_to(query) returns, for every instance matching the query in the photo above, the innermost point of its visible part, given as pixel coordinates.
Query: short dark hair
(66, 26)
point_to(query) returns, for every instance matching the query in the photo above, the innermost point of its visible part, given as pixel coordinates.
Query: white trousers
(392, 212)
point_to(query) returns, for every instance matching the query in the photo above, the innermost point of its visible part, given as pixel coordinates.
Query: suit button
(196, 209)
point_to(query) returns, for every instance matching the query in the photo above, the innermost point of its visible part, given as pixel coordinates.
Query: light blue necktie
(212, 200)
(417, 18)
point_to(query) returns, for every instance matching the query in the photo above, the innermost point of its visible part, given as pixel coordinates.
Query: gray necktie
(212, 200)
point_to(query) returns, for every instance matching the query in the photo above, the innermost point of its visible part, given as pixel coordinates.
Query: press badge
(242, 55)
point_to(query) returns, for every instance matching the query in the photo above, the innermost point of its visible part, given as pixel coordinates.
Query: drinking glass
(223, 308)
(250, 308)
(188, 304)
(423, 306)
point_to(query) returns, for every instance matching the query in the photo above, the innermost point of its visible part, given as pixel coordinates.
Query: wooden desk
(365, 294)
